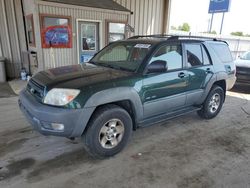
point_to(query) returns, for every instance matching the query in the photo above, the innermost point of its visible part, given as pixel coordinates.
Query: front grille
(243, 70)
(36, 89)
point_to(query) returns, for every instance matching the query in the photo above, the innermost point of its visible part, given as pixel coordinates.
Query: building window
(30, 30)
(56, 31)
(116, 31)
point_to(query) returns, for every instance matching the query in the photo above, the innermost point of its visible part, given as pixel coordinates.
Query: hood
(242, 63)
(77, 76)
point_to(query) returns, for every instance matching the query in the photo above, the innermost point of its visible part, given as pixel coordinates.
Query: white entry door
(88, 39)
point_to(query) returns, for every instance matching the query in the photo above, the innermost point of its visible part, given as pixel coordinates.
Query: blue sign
(216, 6)
(85, 58)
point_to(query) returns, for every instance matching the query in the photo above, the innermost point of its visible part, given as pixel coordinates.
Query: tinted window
(171, 54)
(222, 52)
(194, 55)
(206, 60)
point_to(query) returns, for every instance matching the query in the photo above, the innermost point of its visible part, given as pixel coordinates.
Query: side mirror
(157, 66)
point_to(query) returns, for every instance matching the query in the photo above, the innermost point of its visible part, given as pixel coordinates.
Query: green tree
(213, 32)
(184, 27)
(237, 33)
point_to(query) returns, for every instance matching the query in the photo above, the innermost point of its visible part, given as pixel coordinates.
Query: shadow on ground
(241, 89)
(6, 91)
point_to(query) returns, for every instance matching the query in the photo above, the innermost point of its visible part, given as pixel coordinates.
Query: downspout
(166, 16)
(24, 22)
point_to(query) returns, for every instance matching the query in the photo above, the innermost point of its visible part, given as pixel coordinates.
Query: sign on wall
(57, 37)
(217, 6)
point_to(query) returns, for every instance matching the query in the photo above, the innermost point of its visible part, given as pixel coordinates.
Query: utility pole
(221, 26)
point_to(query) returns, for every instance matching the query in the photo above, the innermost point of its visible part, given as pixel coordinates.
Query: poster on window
(57, 37)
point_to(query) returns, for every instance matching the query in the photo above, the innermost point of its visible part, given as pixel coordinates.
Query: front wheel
(213, 103)
(108, 131)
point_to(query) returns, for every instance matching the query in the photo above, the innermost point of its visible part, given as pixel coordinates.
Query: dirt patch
(15, 168)
(231, 141)
(15, 132)
(59, 164)
(196, 180)
(6, 91)
(8, 147)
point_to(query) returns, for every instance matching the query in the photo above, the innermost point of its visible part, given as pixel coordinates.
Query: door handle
(181, 75)
(229, 70)
(208, 70)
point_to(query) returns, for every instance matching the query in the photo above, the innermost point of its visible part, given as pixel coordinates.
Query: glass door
(88, 38)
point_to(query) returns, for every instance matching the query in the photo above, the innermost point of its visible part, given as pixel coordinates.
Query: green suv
(129, 84)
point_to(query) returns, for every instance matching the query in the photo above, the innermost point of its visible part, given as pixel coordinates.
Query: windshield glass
(126, 55)
(246, 56)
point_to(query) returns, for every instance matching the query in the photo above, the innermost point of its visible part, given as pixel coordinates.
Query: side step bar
(167, 116)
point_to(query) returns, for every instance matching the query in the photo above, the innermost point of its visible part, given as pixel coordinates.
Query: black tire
(206, 112)
(101, 118)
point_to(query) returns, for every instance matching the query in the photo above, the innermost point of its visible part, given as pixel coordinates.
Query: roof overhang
(103, 4)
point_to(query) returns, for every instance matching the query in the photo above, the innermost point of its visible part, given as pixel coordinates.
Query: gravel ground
(184, 152)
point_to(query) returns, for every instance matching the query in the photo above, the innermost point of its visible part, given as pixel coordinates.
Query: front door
(88, 40)
(165, 92)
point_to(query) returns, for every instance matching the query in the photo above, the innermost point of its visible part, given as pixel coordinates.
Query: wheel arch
(124, 97)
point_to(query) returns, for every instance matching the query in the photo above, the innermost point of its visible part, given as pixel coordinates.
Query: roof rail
(176, 37)
(172, 37)
(150, 36)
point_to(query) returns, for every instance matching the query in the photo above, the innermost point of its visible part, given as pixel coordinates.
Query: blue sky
(195, 12)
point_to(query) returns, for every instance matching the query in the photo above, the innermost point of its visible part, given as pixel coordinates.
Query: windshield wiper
(110, 66)
(117, 67)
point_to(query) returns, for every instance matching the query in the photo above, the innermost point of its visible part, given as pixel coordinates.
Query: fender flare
(117, 94)
(216, 77)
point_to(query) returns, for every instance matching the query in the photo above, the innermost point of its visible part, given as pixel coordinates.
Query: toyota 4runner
(129, 84)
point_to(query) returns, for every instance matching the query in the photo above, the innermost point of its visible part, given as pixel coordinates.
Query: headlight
(60, 97)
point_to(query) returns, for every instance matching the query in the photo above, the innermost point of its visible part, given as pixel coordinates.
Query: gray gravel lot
(184, 152)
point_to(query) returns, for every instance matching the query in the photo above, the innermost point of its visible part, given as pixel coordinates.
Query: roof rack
(172, 37)
(150, 36)
(176, 37)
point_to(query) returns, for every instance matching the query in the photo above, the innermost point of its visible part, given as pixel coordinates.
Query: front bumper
(42, 116)
(243, 79)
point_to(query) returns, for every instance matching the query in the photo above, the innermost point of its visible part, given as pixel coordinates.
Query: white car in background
(243, 69)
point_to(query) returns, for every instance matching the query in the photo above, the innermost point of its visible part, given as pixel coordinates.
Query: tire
(213, 103)
(100, 139)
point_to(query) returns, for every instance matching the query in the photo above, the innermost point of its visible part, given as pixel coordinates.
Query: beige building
(41, 34)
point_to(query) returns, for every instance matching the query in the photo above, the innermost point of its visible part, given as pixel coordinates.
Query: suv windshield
(127, 55)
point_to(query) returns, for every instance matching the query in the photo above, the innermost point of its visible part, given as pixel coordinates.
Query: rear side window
(223, 52)
(194, 55)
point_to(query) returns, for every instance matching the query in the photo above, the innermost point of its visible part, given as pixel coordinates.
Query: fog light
(57, 126)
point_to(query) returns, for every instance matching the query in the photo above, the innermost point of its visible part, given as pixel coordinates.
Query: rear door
(200, 70)
(165, 92)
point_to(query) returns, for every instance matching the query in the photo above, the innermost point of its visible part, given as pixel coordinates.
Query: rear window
(222, 52)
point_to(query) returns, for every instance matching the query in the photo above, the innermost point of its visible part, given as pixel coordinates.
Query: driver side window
(172, 54)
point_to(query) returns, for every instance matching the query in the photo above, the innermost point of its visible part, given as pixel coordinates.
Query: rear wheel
(108, 131)
(213, 103)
